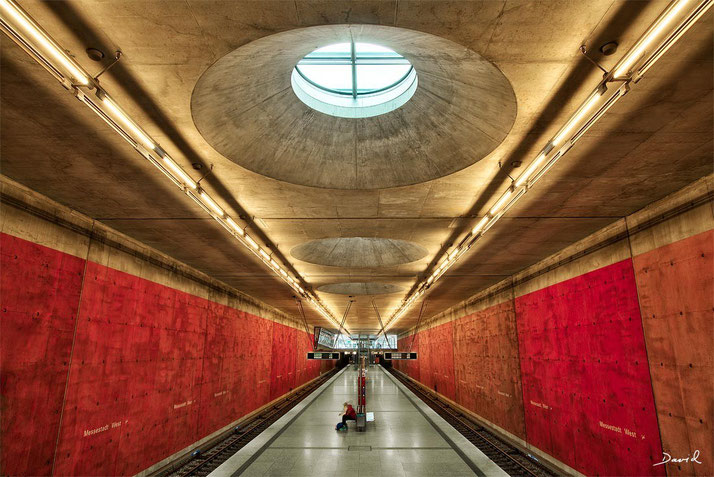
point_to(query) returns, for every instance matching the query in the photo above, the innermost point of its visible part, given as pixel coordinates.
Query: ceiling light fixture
(180, 173)
(501, 202)
(20, 27)
(641, 47)
(480, 225)
(644, 53)
(121, 116)
(577, 118)
(24, 31)
(235, 226)
(211, 203)
(252, 242)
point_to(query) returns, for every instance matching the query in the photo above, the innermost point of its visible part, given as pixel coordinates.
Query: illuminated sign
(388, 355)
(323, 356)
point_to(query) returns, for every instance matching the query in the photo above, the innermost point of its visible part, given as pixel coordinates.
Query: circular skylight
(354, 80)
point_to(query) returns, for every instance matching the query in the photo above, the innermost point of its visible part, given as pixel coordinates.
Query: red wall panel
(676, 289)
(487, 368)
(305, 370)
(282, 373)
(410, 367)
(586, 387)
(39, 293)
(254, 368)
(135, 381)
(152, 371)
(437, 359)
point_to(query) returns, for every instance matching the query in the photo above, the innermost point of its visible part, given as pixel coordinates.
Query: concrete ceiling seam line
(461, 111)
(31, 37)
(666, 30)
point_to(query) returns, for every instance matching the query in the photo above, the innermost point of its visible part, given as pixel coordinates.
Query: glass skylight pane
(335, 77)
(323, 80)
(342, 49)
(374, 77)
(362, 49)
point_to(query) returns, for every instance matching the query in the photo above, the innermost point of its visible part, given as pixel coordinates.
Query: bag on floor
(339, 426)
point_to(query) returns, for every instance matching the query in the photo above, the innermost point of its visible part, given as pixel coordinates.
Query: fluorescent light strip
(523, 178)
(484, 220)
(211, 203)
(179, 172)
(251, 242)
(513, 200)
(121, 116)
(490, 224)
(672, 39)
(235, 226)
(11, 15)
(108, 119)
(501, 202)
(45, 43)
(545, 169)
(522, 183)
(577, 119)
(623, 69)
(595, 117)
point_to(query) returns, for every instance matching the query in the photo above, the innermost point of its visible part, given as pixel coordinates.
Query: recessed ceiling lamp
(22, 29)
(354, 80)
(674, 21)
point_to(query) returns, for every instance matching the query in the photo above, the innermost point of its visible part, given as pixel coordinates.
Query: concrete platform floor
(402, 441)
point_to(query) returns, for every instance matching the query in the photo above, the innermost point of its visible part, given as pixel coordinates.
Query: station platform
(406, 438)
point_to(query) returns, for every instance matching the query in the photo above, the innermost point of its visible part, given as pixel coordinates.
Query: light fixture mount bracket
(584, 51)
(117, 57)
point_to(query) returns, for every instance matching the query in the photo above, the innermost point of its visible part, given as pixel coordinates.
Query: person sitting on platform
(348, 414)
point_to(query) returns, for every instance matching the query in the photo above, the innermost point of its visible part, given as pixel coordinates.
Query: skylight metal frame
(353, 59)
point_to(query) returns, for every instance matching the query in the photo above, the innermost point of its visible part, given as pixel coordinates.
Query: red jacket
(351, 412)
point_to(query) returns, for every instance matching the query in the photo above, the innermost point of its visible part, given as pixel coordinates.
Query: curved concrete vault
(360, 288)
(359, 252)
(244, 106)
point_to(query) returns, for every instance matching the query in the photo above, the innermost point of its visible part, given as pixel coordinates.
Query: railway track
(512, 460)
(204, 461)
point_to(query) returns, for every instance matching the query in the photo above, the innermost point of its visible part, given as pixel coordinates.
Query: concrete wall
(598, 358)
(114, 357)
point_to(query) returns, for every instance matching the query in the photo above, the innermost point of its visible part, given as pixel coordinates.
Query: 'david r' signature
(666, 458)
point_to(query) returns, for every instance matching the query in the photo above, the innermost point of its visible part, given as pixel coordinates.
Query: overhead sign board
(324, 338)
(388, 355)
(323, 356)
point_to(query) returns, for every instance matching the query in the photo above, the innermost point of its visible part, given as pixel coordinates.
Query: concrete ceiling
(360, 288)
(359, 252)
(244, 106)
(653, 142)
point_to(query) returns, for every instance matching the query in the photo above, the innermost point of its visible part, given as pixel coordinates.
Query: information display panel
(324, 338)
(323, 356)
(388, 355)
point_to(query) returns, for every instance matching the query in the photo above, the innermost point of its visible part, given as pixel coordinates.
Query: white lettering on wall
(540, 405)
(91, 432)
(184, 404)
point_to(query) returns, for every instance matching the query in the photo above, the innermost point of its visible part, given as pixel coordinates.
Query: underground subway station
(369, 238)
